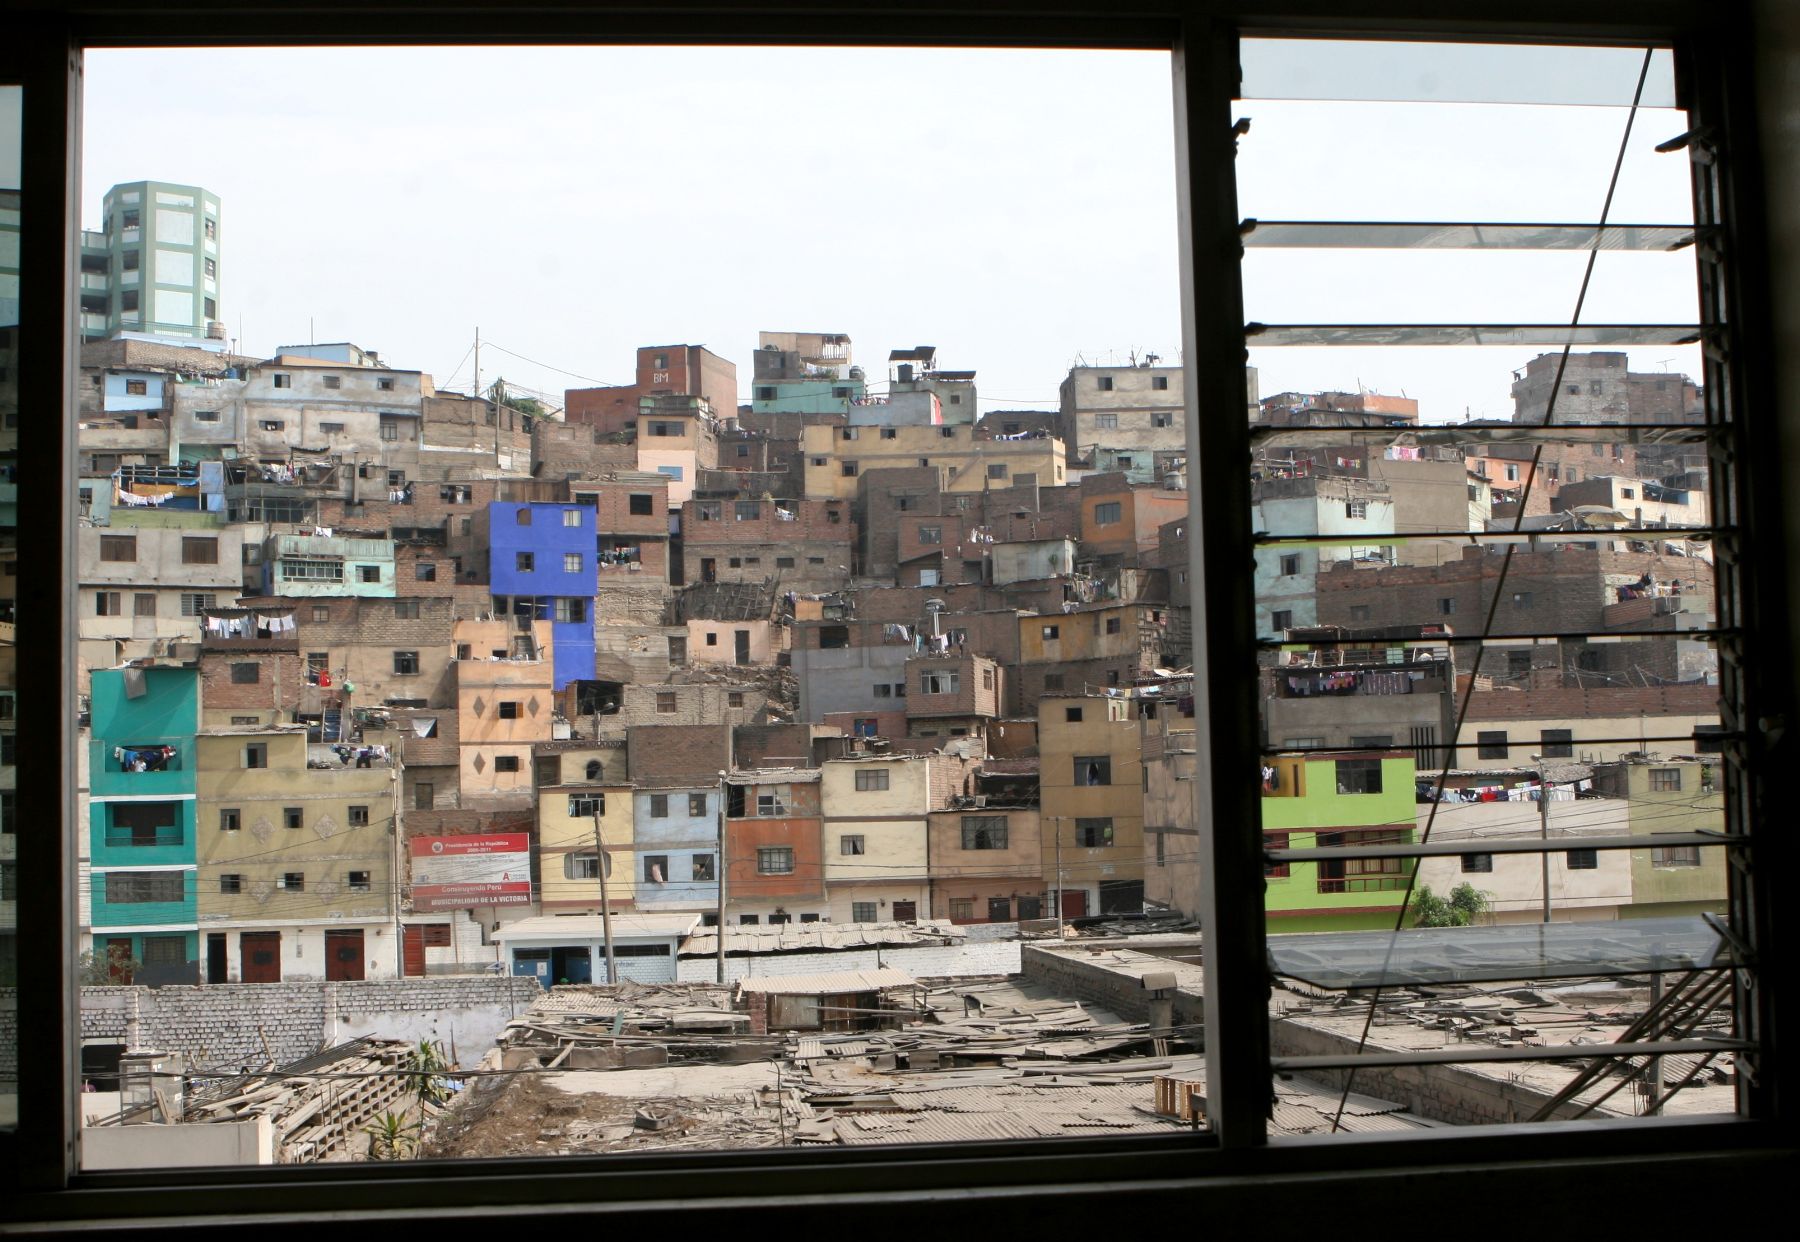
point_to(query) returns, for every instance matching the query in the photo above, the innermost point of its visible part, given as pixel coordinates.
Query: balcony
(139, 758)
(237, 629)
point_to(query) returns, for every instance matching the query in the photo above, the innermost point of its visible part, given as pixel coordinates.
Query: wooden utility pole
(1057, 820)
(723, 870)
(612, 967)
(1544, 830)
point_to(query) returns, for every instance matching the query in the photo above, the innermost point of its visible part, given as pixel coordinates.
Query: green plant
(1464, 906)
(392, 1137)
(114, 965)
(426, 1066)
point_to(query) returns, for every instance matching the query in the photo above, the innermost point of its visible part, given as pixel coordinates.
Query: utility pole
(612, 967)
(475, 388)
(723, 870)
(1057, 820)
(394, 774)
(1544, 828)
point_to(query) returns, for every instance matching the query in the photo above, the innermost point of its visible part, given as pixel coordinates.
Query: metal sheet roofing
(789, 937)
(835, 981)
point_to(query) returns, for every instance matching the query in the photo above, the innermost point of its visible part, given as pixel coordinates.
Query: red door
(259, 957)
(413, 951)
(343, 955)
(1074, 903)
(906, 911)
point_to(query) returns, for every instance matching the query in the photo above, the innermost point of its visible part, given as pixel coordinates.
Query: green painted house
(1349, 798)
(1673, 796)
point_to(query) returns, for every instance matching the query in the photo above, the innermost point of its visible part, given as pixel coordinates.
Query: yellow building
(503, 708)
(568, 859)
(877, 866)
(1090, 775)
(296, 859)
(836, 456)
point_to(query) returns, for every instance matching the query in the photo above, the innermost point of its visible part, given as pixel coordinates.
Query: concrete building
(676, 828)
(153, 265)
(1599, 387)
(1642, 502)
(1090, 772)
(774, 859)
(987, 863)
(1584, 884)
(296, 859)
(1676, 795)
(315, 564)
(1136, 408)
(141, 827)
(877, 856)
(955, 695)
(1354, 797)
(1171, 844)
(1329, 507)
(569, 857)
(805, 373)
(149, 578)
(504, 708)
(1089, 649)
(539, 563)
(1119, 521)
(677, 436)
(919, 393)
(835, 456)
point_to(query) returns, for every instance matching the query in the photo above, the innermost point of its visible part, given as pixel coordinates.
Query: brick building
(805, 545)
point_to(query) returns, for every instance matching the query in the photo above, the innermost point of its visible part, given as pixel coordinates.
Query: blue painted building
(141, 827)
(676, 835)
(539, 559)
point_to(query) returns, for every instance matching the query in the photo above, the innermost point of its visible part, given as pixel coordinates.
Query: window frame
(39, 1156)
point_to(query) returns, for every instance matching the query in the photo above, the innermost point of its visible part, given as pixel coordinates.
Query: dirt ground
(569, 1113)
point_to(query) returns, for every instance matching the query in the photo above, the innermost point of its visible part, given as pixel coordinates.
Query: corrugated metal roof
(833, 982)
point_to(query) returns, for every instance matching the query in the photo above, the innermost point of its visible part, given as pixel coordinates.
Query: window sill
(1569, 1166)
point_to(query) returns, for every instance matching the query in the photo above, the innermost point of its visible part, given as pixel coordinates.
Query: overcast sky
(1014, 208)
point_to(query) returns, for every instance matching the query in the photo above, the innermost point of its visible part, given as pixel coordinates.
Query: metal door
(1074, 903)
(259, 957)
(413, 951)
(999, 909)
(215, 957)
(343, 955)
(742, 638)
(906, 911)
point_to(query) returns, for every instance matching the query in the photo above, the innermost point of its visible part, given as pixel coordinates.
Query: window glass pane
(11, 358)
(1485, 575)
(474, 847)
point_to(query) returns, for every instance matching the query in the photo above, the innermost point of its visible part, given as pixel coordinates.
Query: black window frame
(1164, 1176)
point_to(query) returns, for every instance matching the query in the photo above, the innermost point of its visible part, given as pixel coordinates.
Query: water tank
(215, 330)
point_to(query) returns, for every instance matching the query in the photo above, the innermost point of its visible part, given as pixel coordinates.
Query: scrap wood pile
(318, 1104)
(630, 1025)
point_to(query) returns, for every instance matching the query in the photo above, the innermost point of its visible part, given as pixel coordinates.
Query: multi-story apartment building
(1090, 775)
(877, 865)
(805, 373)
(774, 860)
(1350, 798)
(1330, 508)
(836, 455)
(1599, 387)
(141, 815)
(153, 265)
(631, 522)
(539, 563)
(148, 579)
(677, 436)
(504, 707)
(1138, 408)
(584, 816)
(296, 856)
(987, 861)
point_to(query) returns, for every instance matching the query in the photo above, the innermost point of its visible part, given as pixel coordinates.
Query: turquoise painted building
(1349, 798)
(141, 829)
(823, 395)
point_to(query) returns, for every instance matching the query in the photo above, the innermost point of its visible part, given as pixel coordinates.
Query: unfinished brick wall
(1610, 702)
(280, 676)
(676, 753)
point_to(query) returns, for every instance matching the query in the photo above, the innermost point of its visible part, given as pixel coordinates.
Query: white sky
(1013, 208)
